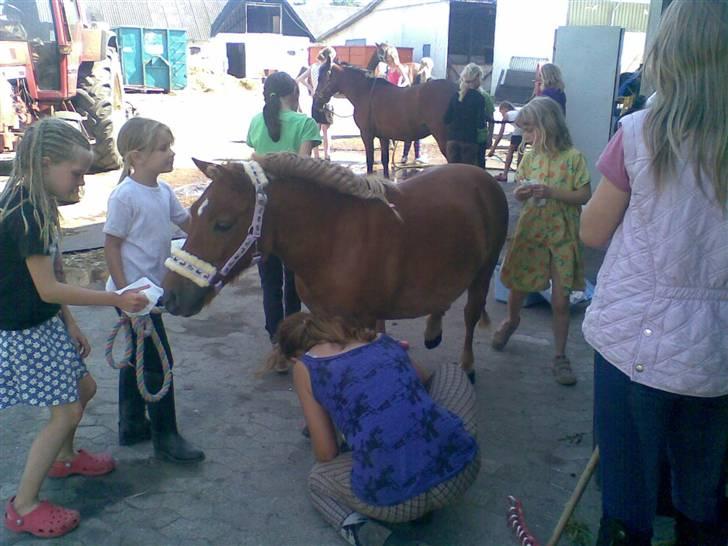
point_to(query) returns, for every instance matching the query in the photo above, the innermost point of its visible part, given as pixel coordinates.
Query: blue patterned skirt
(39, 366)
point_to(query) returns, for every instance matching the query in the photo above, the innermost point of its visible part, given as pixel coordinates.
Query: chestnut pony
(385, 111)
(362, 248)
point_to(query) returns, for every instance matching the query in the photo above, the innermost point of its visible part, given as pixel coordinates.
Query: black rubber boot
(693, 533)
(168, 444)
(613, 533)
(134, 427)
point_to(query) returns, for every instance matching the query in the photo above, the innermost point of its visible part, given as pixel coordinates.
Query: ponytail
(276, 86)
(136, 135)
(271, 115)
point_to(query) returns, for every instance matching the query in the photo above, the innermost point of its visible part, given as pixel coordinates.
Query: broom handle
(575, 496)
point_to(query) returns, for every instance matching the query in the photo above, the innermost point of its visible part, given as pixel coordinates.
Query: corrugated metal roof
(632, 16)
(321, 15)
(194, 16)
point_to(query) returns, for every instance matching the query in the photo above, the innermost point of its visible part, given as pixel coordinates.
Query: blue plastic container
(153, 57)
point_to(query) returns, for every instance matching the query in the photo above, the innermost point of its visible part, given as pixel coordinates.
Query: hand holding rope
(142, 327)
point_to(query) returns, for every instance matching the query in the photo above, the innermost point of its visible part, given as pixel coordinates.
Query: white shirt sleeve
(119, 216)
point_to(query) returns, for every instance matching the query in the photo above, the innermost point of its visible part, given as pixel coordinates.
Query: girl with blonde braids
(139, 226)
(41, 346)
(465, 117)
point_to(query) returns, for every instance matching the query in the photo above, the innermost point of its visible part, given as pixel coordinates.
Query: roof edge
(366, 10)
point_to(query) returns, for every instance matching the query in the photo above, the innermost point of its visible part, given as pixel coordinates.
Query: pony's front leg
(384, 146)
(433, 330)
(369, 151)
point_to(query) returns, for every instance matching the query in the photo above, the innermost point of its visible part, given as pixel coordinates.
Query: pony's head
(220, 222)
(328, 83)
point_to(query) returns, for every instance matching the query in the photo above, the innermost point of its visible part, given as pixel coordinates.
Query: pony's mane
(371, 78)
(325, 174)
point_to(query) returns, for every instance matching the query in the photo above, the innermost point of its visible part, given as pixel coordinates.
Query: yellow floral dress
(550, 232)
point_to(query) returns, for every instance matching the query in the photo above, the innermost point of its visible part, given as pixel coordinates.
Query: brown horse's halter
(204, 274)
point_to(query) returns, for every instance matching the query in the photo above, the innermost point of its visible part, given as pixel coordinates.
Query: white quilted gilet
(660, 312)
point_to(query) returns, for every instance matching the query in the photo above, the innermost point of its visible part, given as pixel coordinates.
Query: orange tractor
(55, 62)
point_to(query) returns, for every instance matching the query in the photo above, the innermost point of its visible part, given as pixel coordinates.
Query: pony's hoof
(434, 342)
(471, 377)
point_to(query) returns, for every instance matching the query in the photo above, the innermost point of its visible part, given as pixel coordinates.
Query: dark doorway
(471, 36)
(236, 60)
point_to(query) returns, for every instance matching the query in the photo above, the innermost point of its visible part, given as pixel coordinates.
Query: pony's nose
(168, 301)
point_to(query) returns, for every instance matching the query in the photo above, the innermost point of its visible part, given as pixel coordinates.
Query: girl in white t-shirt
(139, 226)
(508, 115)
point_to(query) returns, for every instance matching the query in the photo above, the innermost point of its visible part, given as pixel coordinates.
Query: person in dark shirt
(552, 84)
(465, 117)
(41, 346)
(412, 435)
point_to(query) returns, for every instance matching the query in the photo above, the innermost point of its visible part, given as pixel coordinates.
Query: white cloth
(510, 117)
(143, 217)
(660, 311)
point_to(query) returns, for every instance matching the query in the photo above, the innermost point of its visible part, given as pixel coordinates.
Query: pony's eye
(223, 226)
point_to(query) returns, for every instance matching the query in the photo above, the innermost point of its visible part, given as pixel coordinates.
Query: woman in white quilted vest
(659, 319)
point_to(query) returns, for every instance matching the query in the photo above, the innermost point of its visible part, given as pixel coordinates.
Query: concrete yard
(535, 435)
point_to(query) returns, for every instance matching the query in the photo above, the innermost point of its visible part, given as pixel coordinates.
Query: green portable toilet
(153, 57)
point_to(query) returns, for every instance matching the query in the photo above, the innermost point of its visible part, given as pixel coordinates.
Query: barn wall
(405, 23)
(265, 51)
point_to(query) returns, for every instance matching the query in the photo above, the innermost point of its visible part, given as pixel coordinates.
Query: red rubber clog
(85, 464)
(46, 521)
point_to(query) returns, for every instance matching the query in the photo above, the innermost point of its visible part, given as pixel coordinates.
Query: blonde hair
(470, 73)
(688, 65)
(139, 135)
(327, 53)
(299, 332)
(52, 139)
(391, 55)
(545, 116)
(551, 76)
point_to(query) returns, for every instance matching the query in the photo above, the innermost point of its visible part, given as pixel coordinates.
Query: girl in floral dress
(553, 183)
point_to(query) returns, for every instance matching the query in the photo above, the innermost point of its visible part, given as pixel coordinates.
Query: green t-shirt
(489, 107)
(296, 128)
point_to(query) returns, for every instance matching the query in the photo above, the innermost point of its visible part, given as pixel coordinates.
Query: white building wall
(525, 28)
(265, 51)
(405, 23)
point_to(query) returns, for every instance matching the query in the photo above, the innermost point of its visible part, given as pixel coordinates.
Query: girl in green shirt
(280, 127)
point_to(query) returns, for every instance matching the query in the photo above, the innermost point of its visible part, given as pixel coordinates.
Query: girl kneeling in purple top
(412, 437)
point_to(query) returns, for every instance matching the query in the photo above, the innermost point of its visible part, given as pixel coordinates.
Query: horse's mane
(371, 79)
(325, 174)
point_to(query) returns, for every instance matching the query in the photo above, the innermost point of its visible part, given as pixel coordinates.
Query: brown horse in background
(385, 111)
(362, 248)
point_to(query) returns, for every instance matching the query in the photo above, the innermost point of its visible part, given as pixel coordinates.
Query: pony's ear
(211, 170)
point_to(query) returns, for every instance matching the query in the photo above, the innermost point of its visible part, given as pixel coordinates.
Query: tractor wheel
(100, 97)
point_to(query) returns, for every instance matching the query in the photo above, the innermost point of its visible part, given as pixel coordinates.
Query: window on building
(426, 50)
(263, 18)
(356, 42)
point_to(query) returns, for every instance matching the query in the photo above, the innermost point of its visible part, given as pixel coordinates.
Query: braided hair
(57, 141)
(276, 86)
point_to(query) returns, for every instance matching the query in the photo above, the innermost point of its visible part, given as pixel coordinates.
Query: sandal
(85, 464)
(563, 373)
(46, 520)
(503, 334)
(502, 177)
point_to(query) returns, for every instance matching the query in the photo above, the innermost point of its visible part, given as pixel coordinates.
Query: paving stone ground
(535, 435)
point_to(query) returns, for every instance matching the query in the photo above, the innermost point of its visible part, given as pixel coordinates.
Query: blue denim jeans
(280, 298)
(636, 425)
